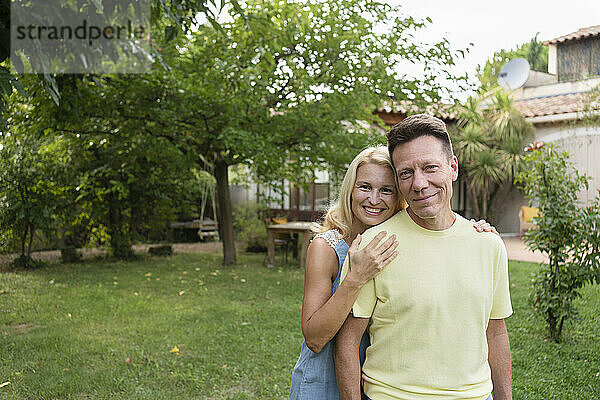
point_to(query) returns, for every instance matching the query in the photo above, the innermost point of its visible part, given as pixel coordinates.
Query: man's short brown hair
(416, 126)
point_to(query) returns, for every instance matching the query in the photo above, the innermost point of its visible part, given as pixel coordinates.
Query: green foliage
(488, 143)
(29, 197)
(568, 233)
(197, 195)
(249, 222)
(533, 51)
(127, 176)
(284, 88)
(169, 18)
(24, 261)
(8, 84)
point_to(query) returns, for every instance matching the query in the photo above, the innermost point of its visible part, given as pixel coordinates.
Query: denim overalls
(313, 377)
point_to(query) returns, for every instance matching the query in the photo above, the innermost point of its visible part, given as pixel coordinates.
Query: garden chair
(284, 240)
(525, 218)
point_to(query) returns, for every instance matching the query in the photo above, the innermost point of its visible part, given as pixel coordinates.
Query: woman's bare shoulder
(321, 256)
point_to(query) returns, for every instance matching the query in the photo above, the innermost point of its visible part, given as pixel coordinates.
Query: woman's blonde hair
(339, 215)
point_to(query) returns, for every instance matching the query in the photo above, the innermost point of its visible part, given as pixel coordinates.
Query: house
(309, 203)
(559, 105)
(287, 199)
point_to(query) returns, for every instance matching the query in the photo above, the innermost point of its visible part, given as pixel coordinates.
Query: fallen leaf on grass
(182, 292)
(224, 366)
(148, 274)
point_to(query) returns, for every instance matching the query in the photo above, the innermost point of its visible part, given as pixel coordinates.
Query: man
(436, 313)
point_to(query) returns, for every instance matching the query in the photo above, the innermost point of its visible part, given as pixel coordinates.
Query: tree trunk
(224, 214)
(484, 207)
(68, 251)
(23, 241)
(120, 242)
(30, 244)
(475, 201)
(553, 322)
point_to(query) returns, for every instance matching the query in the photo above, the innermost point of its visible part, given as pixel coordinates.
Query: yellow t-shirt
(429, 311)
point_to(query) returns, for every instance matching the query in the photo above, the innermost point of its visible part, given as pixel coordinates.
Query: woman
(368, 196)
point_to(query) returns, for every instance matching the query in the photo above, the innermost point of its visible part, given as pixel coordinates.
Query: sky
(495, 25)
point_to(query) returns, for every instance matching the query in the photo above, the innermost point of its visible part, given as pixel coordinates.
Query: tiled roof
(580, 34)
(441, 110)
(551, 105)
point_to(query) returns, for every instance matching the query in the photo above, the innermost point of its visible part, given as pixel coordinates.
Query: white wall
(583, 143)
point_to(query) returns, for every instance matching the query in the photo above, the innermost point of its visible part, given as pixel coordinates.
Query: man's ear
(454, 168)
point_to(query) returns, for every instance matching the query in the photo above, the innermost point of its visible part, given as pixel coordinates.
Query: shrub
(250, 227)
(568, 233)
(26, 262)
(161, 251)
(69, 255)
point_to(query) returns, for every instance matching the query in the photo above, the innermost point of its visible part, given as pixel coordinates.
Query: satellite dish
(514, 74)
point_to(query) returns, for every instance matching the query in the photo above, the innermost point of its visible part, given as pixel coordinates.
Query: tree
(489, 142)
(533, 51)
(285, 96)
(568, 233)
(171, 16)
(281, 89)
(125, 174)
(29, 196)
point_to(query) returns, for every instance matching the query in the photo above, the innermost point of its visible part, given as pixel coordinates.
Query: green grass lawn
(187, 328)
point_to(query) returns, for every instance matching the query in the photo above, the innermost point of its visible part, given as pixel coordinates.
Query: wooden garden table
(288, 227)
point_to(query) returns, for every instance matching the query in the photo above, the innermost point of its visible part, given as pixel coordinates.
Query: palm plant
(489, 142)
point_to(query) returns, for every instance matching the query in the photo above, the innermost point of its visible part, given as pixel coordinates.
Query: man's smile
(424, 198)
